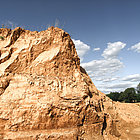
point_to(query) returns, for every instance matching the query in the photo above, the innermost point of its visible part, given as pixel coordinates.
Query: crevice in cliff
(89, 93)
(83, 70)
(14, 36)
(104, 125)
(2, 60)
(83, 119)
(4, 83)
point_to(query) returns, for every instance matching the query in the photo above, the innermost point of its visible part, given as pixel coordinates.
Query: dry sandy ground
(134, 134)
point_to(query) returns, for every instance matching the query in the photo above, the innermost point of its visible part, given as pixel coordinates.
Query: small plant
(1, 37)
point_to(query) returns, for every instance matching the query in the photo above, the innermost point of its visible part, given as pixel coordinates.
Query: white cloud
(81, 48)
(136, 48)
(110, 79)
(120, 85)
(117, 86)
(102, 69)
(132, 78)
(104, 72)
(96, 49)
(113, 50)
(106, 68)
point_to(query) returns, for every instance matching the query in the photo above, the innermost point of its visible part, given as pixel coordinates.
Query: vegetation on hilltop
(130, 95)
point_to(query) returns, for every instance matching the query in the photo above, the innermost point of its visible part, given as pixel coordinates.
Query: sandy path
(135, 134)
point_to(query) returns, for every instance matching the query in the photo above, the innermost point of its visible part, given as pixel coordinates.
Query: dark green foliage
(138, 92)
(138, 88)
(128, 96)
(114, 96)
(138, 97)
(1, 37)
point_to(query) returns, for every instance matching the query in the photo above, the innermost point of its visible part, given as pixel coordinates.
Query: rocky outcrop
(45, 94)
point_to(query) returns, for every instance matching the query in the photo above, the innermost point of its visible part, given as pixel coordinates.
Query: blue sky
(106, 34)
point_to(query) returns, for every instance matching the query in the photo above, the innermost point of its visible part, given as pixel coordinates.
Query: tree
(128, 96)
(114, 96)
(138, 88)
(121, 97)
(138, 97)
(138, 92)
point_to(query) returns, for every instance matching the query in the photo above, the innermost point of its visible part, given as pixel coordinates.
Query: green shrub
(1, 37)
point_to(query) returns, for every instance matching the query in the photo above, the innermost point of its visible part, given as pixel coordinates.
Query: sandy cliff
(45, 94)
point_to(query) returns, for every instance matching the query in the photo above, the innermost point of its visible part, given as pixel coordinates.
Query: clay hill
(46, 95)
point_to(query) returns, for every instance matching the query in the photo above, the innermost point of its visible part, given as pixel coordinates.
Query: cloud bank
(104, 69)
(81, 48)
(113, 50)
(132, 78)
(105, 72)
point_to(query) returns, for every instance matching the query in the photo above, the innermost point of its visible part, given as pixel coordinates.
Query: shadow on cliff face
(104, 125)
(83, 70)
(4, 83)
